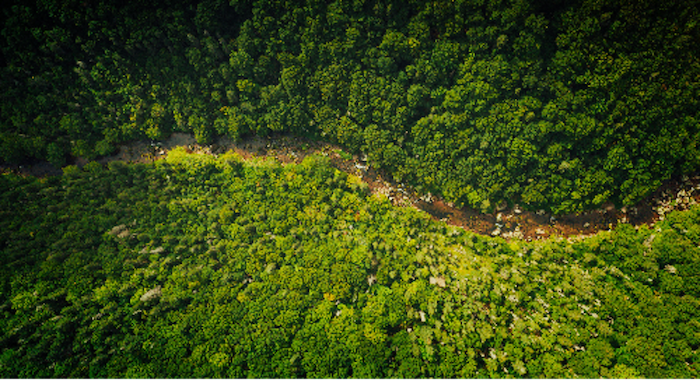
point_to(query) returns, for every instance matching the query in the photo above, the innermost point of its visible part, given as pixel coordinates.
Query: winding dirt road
(677, 194)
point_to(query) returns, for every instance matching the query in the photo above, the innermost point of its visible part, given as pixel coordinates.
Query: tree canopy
(197, 266)
(554, 105)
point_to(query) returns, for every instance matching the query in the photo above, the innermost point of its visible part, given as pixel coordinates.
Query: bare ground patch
(509, 223)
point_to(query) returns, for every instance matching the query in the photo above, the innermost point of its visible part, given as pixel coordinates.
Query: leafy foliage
(561, 106)
(211, 267)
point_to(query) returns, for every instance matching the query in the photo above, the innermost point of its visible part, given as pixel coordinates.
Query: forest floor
(515, 222)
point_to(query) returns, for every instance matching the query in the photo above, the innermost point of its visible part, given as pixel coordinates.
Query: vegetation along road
(350, 188)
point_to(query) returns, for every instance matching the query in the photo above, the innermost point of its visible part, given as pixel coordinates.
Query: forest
(197, 266)
(559, 105)
(215, 266)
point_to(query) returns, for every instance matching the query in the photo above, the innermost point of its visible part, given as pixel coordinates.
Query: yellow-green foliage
(560, 105)
(202, 266)
(180, 157)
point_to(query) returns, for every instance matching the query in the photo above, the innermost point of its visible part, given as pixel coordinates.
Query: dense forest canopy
(560, 105)
(198, 266)
(211, 266)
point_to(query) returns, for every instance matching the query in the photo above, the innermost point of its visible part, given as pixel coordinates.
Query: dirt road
(677, 194)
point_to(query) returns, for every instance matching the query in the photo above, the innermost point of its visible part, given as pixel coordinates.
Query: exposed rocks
(681, 200)
(679, 194)
(516, 233)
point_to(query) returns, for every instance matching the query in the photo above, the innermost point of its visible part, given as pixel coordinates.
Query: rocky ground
(515, 222)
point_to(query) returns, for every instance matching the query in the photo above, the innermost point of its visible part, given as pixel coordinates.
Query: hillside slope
(197, 266)
(560, 107)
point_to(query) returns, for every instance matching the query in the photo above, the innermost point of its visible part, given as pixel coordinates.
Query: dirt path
(677, 194)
